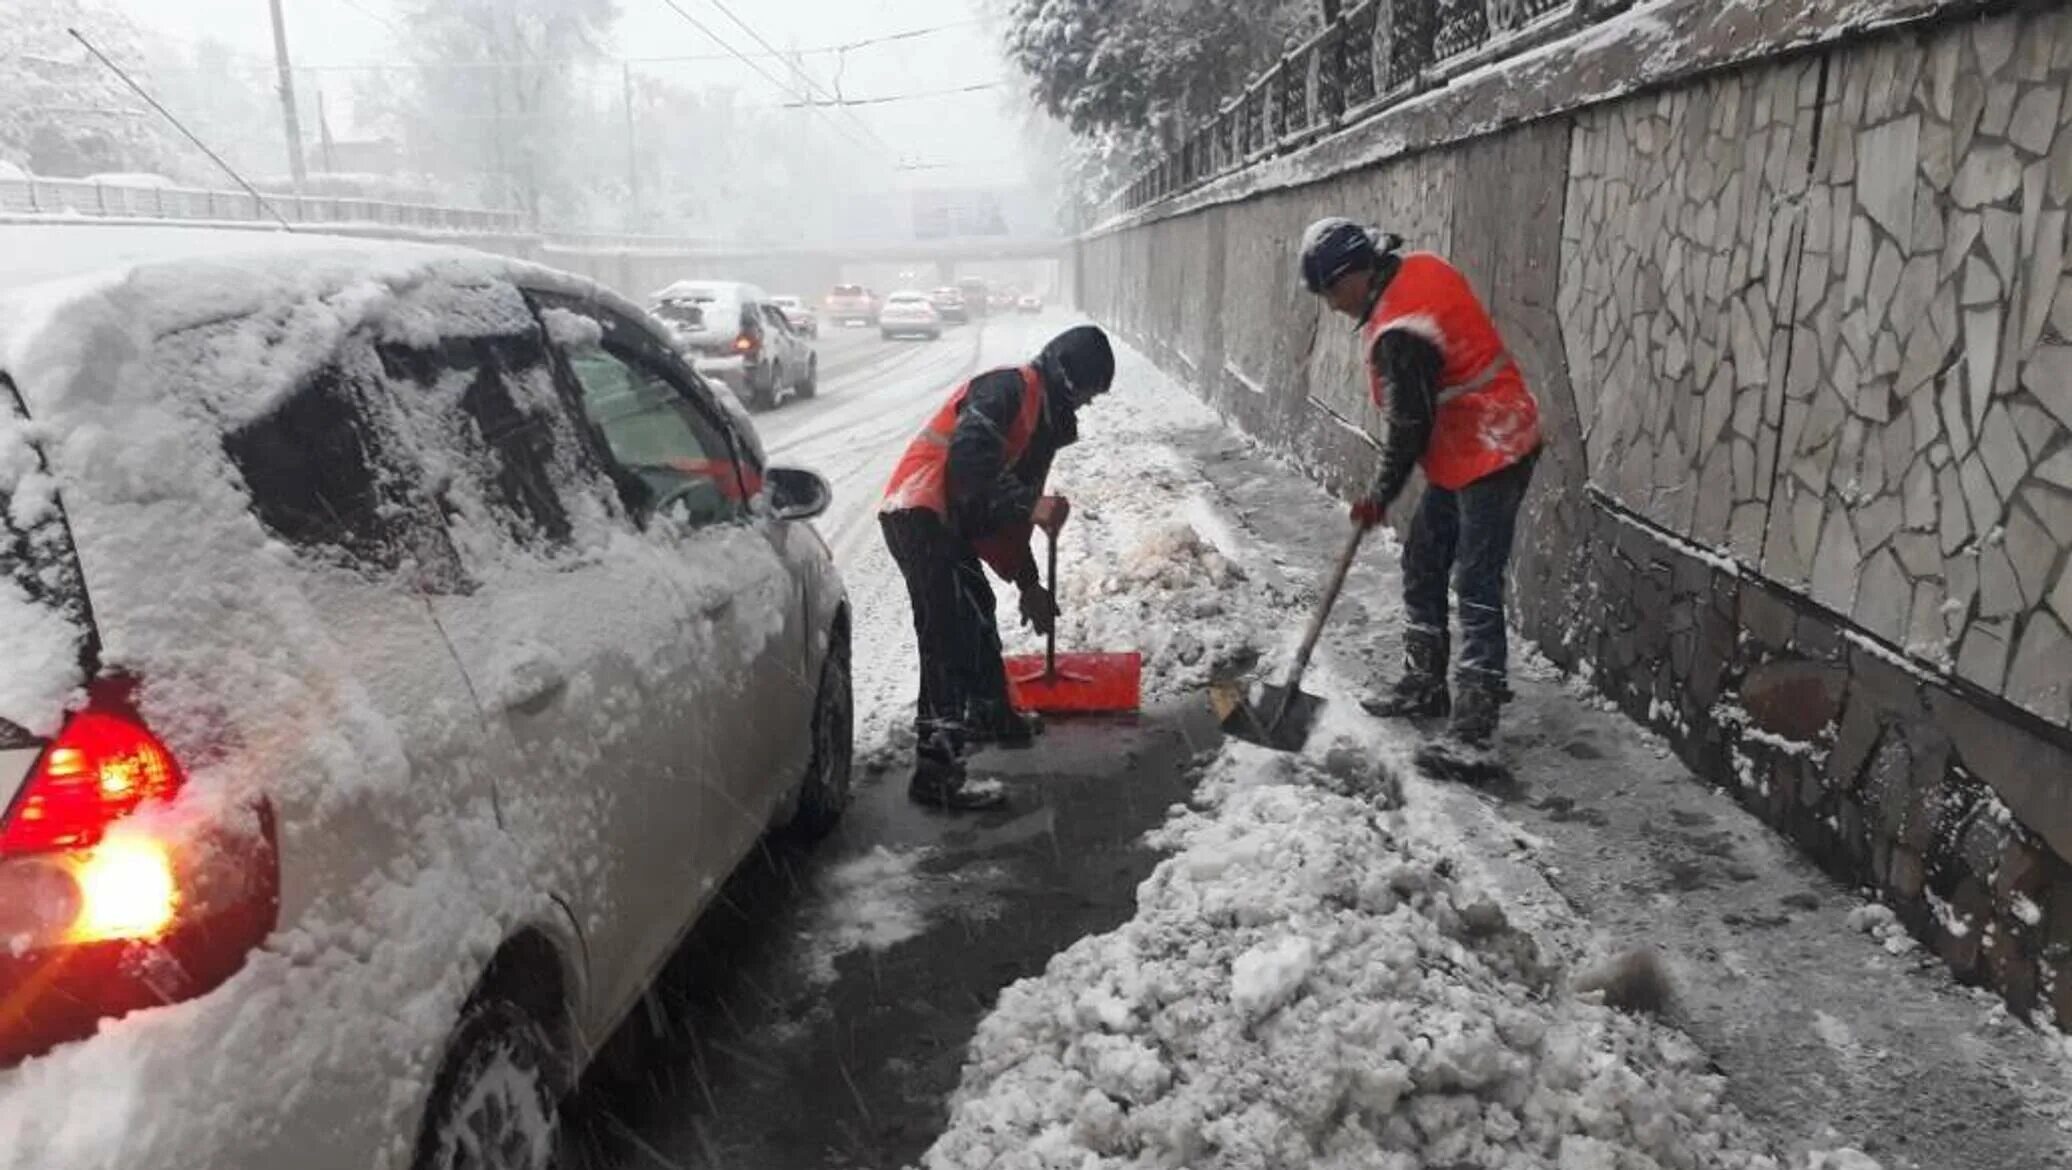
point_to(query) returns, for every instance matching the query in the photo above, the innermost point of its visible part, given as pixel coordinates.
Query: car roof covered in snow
(168, 278)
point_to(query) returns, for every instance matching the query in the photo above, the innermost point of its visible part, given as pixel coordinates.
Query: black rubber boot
(940, 780)
(1475, 713)
(1420, 693)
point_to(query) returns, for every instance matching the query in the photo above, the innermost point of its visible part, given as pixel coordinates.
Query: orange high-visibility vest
(922, 478)
(1487, 417)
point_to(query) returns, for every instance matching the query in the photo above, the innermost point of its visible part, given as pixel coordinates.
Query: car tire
(824, 793)
(763, 395)
(810, 384)
(496, 1102)
(885, 333)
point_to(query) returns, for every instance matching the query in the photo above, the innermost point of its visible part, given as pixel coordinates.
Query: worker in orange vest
(1458, 406)
(970, 489)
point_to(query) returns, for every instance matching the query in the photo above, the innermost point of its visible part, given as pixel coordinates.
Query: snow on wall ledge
(1801, 326)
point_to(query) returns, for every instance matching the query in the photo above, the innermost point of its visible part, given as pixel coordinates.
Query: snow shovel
(1281, 717)
(1081, 683)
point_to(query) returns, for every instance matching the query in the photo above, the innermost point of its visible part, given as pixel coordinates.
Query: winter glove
(1051, 513)
(1039, 609)
(1369, 513)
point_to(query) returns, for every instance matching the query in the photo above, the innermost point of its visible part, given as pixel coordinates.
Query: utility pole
(632, 155)
(288, 119)
(324, 134)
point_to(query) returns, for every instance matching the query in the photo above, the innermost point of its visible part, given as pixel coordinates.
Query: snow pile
(1306, 983)
(1881, 923)
(1138, 563)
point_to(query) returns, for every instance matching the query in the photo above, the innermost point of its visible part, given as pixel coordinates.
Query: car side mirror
(796, 494)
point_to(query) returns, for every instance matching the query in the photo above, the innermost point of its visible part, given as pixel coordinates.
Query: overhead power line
(888, 99)
(716, 39)
(813, 86)
(668, 59)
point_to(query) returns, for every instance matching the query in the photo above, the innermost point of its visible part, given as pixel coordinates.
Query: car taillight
(100, 768)
(745, 344)
(103, 912)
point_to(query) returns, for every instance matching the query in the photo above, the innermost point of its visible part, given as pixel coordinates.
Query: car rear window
(43, 614)
(689, 314)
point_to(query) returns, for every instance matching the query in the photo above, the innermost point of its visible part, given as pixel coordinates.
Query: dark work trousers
(963, 682)
(1466, 535)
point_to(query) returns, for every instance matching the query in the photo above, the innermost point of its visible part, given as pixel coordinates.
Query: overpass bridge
(633, 265)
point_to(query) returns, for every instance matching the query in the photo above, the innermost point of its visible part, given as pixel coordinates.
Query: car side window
(326, 476)
(653, 431)
(776, 319)
(505, 430)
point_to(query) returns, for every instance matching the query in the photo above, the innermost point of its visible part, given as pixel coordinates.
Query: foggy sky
(974, 132)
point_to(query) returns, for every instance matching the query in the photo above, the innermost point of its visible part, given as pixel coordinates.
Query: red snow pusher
(1079, 683)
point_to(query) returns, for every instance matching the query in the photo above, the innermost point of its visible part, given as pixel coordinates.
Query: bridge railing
(80, 197)
(1377, 54)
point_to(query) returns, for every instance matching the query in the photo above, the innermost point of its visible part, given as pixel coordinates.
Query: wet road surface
(818, 1015)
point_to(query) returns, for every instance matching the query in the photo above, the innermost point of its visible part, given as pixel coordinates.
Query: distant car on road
(975, 293)
(1001, 300)
(801, 315)
(734, 333)
(909, 314)
(1030, 303)
(373, 754)
(949, 304)
(852, 304)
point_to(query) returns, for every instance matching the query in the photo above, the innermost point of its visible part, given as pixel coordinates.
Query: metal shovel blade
(1254, 720)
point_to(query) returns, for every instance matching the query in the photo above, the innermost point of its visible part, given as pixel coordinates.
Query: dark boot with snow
(1420, 693)
(1467, 752)
(940, 780)
(1475, 712)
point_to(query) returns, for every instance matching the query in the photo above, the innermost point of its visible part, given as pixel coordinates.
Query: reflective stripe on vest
(1487, 419)
(921, 480)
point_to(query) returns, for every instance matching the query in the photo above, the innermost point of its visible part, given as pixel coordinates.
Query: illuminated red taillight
(103, 912)
(98, 770)
(744, 344)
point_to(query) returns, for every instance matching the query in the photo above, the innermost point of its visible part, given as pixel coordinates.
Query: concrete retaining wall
(1789, 281)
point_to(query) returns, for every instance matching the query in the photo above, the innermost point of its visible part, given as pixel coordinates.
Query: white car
(398, 647)
(735, 333)
(909, 314)
(799, 313)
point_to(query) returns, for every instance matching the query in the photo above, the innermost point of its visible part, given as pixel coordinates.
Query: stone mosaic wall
(1928, 485)
(1878, 310)
(1680, 244)
(1802, 332)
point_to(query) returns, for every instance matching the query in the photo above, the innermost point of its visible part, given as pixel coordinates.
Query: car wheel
(824, 793)
(496, 1102)
(885, 333)
(763, 395)
(810, 384)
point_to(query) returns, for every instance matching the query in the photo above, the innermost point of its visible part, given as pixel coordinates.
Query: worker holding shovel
(1458, 406)
(969, 489)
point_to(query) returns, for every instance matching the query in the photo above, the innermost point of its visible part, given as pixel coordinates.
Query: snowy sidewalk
(1344, 964)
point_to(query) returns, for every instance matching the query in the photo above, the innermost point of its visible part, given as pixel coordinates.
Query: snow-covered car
(803, 319)
(735, 334)
(949, 305)
(909, 314)
(852, 304)
(399, 645)
(1030, 303)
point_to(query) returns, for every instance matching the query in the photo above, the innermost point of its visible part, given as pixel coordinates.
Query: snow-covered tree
(62, 112)
(494, 102)
(1123, 64)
